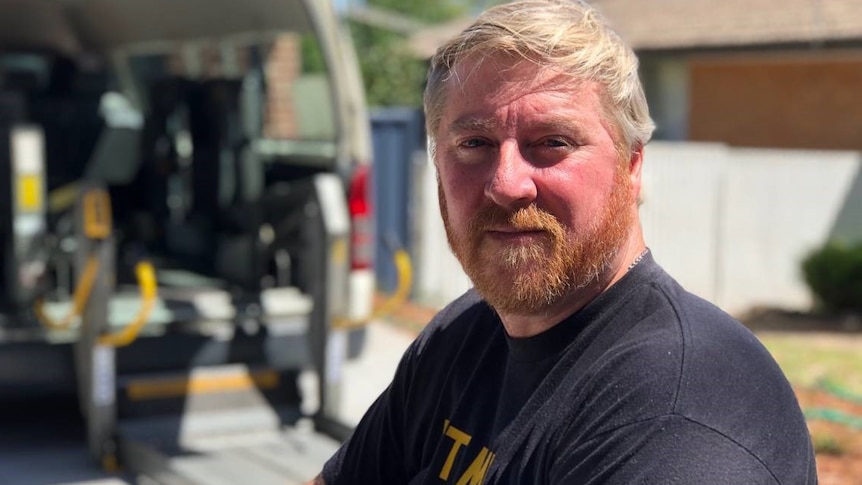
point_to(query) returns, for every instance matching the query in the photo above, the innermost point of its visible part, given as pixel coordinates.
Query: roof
(425, 42)
(675, 24)
(691, 24)
(69, 26)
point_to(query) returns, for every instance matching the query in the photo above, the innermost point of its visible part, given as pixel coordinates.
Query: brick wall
(208, 61)
(283, 67)
(783, 103)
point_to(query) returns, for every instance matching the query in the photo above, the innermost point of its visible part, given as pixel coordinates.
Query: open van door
(231, 141)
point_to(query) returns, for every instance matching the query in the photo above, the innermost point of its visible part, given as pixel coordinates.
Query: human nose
(511, 185)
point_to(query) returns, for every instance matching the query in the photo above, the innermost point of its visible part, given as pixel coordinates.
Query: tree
(392, 74)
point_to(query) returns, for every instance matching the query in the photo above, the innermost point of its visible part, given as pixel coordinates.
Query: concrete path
(368, 375)
(25, 459)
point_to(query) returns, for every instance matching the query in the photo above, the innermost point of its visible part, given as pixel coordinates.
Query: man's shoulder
(710, 340)
(465, 317)
(696, 323)
(680, 354)
(467, 307)
(729, 382)
(683, 358)
(714, 353)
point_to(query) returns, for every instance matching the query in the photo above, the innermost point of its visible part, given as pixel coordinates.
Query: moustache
(529, 218)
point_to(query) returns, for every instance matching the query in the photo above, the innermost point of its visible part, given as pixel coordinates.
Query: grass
(809, 360)
(825, 369)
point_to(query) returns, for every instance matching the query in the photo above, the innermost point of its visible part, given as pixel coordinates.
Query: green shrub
(834, 274)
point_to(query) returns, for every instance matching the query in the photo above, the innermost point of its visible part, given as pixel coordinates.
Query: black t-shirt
(647, 384)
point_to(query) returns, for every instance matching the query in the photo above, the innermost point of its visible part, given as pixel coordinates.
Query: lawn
(825, 369)
(810, 359)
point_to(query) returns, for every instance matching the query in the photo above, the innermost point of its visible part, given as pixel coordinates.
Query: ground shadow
(783, 320)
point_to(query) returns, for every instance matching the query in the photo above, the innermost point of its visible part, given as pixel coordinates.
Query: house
(755, 73)
(766, 96)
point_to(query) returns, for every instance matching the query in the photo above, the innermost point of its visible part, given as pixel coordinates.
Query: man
(576, 359)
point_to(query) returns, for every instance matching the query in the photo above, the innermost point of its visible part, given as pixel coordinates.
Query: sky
(340, 5)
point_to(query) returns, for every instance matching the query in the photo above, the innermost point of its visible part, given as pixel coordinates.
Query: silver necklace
(638, 259)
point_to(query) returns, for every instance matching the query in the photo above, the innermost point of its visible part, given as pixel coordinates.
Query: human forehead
(502, 75)
(479, 90)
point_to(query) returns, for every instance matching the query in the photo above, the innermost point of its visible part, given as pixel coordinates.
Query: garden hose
(833, 415)
(404, 272)
(836, 390)
(404, 269)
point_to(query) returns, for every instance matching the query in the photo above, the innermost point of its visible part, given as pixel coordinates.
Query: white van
(232, 142)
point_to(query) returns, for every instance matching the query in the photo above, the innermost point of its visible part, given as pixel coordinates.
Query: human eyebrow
(469, 124)
(561, 126)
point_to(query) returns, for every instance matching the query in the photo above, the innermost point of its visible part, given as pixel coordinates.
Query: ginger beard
(529, 278)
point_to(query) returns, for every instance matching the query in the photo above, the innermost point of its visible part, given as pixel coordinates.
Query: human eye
(549, 150)
(471, 150)
(556, 142)
(473, 142)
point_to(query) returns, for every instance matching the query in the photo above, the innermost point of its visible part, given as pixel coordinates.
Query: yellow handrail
(96, 214)
(146, 276)
(79, 299)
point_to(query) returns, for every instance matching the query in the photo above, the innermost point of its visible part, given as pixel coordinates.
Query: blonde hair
(568, 35)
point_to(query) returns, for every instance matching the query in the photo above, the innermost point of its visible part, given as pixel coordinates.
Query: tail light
(359, 200)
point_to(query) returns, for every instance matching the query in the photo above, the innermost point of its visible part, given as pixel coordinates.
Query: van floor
(43, 443)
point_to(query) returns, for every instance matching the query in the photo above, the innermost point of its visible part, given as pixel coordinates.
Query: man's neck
(522, 326)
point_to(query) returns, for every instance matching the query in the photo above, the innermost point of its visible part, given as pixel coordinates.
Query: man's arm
(675, 449)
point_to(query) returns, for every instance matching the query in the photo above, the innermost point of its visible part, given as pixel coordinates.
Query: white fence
(731, 224)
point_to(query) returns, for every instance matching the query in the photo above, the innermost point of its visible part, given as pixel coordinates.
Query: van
(223, 143)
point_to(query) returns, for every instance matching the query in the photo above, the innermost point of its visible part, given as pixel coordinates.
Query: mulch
(781, 320)
(840, 463)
